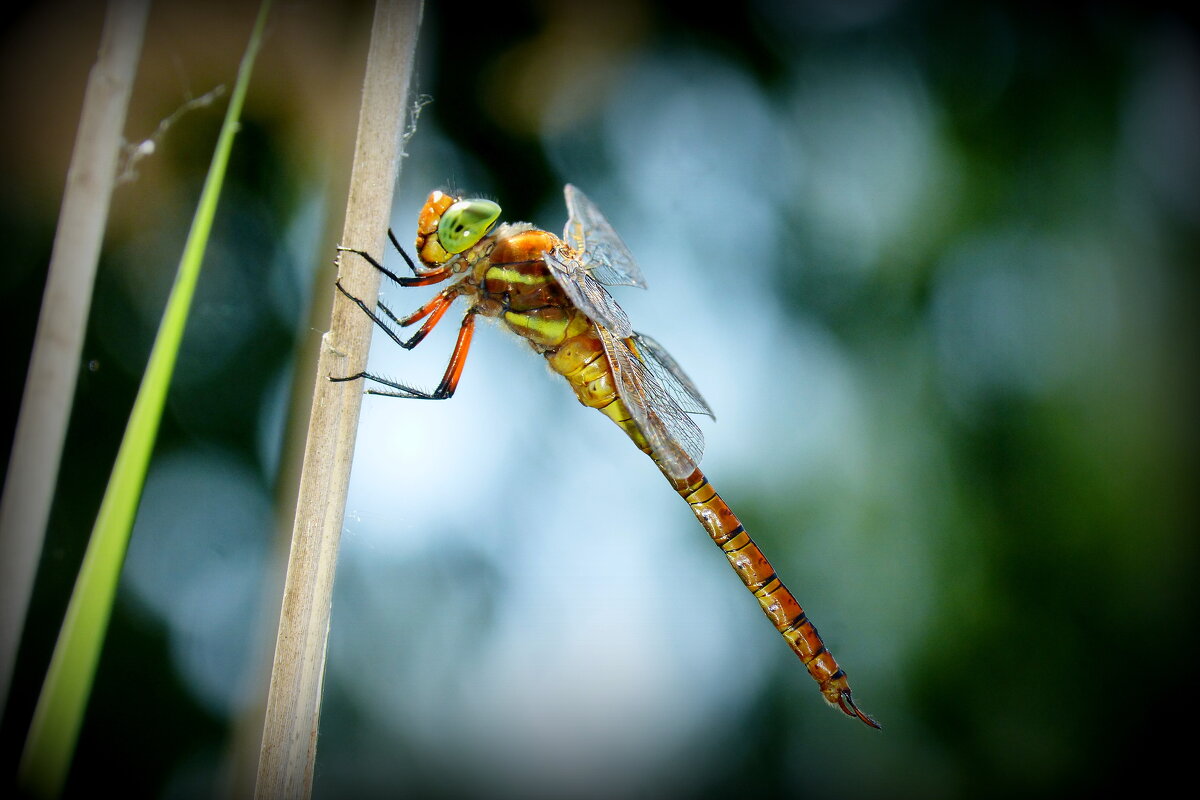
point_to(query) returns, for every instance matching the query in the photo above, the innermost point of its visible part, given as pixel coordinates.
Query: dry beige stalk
(294, 697)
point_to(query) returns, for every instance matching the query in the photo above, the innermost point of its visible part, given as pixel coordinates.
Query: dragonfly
(550, 291)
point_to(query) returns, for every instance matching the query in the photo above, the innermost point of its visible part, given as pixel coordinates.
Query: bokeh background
(932, 264)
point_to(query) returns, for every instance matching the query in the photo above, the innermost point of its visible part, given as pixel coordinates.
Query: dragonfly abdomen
(776, 601)
(582, 361)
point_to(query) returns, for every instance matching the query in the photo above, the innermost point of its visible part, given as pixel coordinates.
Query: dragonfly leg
(434, 309)
(403, 253)
(435, 276)
(398, 389)
(445, 389)
(458, 358)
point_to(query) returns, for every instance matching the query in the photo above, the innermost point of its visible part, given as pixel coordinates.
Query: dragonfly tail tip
(846, 702)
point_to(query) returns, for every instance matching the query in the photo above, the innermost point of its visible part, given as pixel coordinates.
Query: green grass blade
(61, 705)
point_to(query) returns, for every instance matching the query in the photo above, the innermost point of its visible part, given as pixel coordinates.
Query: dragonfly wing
(670, 375)
(604, 254)
(675, 440)
(586, 292)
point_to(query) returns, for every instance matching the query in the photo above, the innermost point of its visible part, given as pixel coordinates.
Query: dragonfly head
(450, 225)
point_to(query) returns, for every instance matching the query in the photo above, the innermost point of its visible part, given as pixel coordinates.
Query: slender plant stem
(54, 365)
(58, 716)
(289, 742)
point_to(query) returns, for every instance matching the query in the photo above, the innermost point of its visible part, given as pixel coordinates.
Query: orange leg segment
(458, 359)
(454, 369)
(434, 309)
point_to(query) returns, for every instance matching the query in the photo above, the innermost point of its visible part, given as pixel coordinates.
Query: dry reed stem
(294, 697)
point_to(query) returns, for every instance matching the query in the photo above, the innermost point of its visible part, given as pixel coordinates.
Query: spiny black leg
(396, 245)
(406, 344)
(371, 260)
(445, 389)
(399, 389)
(421, 280)
(387, 312)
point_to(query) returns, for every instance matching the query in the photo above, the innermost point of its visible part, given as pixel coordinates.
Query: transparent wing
(603, 254)
(675, 440)
(586, 292)
(670, 375)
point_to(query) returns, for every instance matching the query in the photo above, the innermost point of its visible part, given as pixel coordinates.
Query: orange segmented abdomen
(776, 601)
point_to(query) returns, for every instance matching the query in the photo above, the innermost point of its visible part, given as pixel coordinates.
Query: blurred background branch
(55, 360)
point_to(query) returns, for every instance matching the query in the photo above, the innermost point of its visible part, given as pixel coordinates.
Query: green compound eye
(465, 223)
